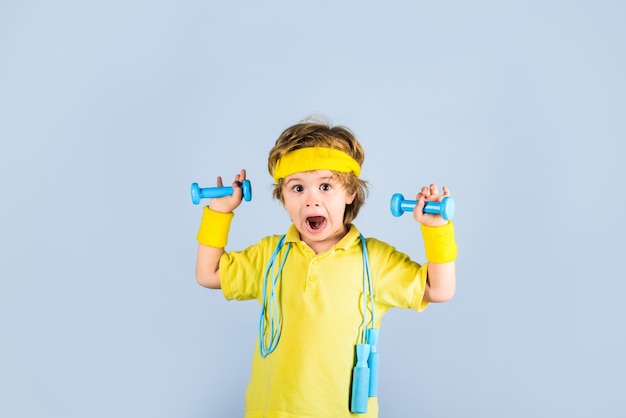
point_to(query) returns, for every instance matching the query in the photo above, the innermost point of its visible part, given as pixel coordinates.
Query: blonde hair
(313, 133)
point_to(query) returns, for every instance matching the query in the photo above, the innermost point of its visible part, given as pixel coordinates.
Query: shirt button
(313, 278)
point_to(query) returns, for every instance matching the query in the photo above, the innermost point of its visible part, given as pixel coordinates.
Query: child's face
(316, 203)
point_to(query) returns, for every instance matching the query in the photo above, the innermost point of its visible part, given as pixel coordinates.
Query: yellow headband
(317, 158)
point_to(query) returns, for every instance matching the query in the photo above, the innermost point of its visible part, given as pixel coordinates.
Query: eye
(325, 187)
(297, 188)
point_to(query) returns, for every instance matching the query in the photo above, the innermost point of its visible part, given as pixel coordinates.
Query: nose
(311, 199)
(312, 202)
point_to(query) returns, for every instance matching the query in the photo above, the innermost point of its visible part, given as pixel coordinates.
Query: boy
(321, 286)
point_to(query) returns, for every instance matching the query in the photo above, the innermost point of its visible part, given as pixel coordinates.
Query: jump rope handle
(372, 361)
(360, 380)
(445, 208)
(198, 193)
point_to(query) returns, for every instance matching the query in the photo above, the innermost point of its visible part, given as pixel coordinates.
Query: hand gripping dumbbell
(445, 208)
(198, 193)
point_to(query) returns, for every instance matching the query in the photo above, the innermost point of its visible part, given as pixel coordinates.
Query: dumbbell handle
(198, 193)
(445, 208)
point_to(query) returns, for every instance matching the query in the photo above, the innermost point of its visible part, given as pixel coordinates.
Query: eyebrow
(326, 179)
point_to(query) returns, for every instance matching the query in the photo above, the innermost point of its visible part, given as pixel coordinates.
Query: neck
(322, 246)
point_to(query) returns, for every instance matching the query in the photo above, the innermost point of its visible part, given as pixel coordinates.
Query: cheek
(291, 206)
(340, 205)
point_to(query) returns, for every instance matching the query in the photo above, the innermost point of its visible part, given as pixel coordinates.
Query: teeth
(315, 222)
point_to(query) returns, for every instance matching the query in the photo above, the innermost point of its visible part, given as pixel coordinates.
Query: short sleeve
(400, 282)
(241, 271)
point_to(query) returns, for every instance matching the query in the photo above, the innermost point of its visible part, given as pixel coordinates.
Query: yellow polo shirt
(320, 295)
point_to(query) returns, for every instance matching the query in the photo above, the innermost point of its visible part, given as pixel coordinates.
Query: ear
(350, 198)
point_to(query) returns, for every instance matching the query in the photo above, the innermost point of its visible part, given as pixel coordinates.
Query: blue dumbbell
(198, 193)
(445, 208)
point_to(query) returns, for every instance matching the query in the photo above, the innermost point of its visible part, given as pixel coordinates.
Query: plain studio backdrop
(109, 110)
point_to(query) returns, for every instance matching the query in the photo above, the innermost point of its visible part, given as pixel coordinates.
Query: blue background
(109, 110)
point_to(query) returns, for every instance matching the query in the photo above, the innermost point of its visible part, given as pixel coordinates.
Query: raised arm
(213, 233)
(440, 282)
(208, 266)
(440, 247)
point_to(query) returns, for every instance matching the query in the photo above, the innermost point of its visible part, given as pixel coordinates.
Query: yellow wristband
(439, 243)
(214, 228)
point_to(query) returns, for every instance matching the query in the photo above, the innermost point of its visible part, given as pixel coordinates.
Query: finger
(421, 201)
(219, 182)
(419, 208)
(433, 189)
(240, 178)
(446, 191)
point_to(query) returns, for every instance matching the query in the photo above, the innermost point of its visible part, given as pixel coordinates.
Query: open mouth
(316, 222)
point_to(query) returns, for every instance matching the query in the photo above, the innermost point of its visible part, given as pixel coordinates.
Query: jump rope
(365, 370)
